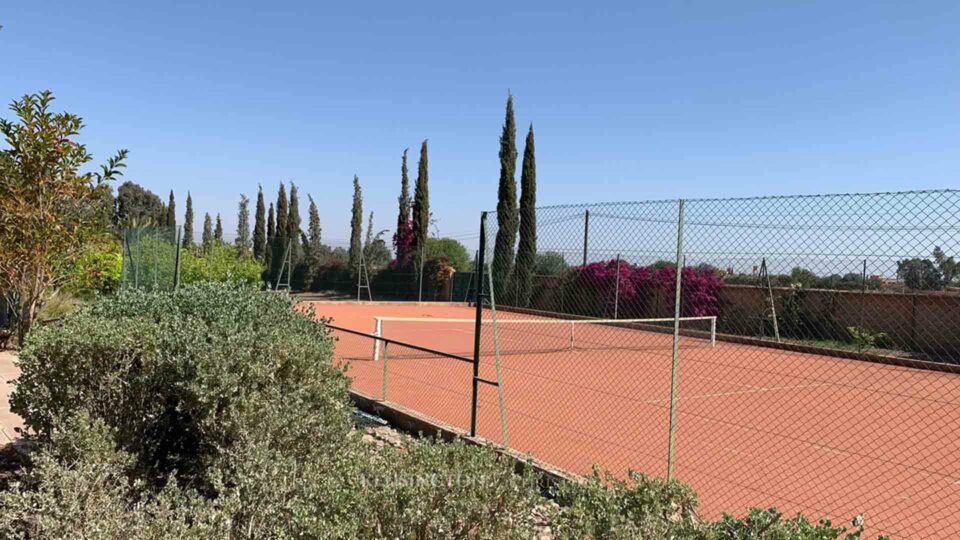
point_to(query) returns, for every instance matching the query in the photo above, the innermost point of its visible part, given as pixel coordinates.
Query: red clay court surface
(756, 426)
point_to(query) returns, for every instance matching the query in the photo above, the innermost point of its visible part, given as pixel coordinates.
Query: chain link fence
(810, 360)
(151, 258)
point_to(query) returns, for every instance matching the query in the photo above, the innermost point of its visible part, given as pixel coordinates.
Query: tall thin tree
(369, 236)
(527, 247)
(218, 231)
(171, 220)
(259, 226)
(293, 225)
(282, 212)
(315, 246)
(271, 238)
(243, 226)
(207, 238)
(506, 204)
(188, 223)
(421, 203)
(356, 225)
(403, 237)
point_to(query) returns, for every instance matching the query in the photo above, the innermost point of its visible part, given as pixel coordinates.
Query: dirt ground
(8, 421)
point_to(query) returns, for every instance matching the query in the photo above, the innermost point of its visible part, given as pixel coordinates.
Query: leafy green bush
(220, 263)
(96, 270)
(78, 487)
(603, 506)
(770, 524)
(450, 249)
(450, 490)
(182, 376)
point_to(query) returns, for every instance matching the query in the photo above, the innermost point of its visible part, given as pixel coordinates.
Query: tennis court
(756, 426)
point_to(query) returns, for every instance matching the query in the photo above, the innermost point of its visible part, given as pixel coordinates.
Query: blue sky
(629, 101)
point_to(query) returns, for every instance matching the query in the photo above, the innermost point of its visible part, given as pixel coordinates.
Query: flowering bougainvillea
(405, 244)
(639, 288)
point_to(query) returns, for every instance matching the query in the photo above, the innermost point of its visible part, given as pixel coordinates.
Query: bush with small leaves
(78, 487)
(770, 524)
(182, 376)
(603, 506)
(449, 490)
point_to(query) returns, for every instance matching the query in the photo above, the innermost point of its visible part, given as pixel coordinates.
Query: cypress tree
(243, 225)
(207, 238)
(280, 233)
(356, 224)
(271, 227)
(314, 246)
(188, 223)
(171, 220)
(271, 238)
(369, 237)
(259, 226)
(218, 231)
(527, 248)
(401, 239)
(293, 225)
(421, 203)
(506, 204)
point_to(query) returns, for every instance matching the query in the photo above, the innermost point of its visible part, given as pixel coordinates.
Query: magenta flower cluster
(405, 245)
(699, 291)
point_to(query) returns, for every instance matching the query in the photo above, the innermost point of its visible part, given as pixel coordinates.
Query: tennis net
(545, 335)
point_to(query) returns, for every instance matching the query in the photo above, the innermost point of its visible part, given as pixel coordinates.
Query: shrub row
(217, 412)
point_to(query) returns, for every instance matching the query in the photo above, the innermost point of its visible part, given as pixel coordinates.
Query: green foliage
(452, 250)
(139, 207)
(865, 339)
(527, 247)
(293, 226)
(949, 268)
(603, 506)
(282, 213)
(149, 258)
(920, 274)
(220, 263)
(421, 200)
(507, 219)
(805, 278)
(271, 238)
(401, 242)
(171, 218)
(58, 305)
(314, 251)
(356, 225)
(186, 378)
(926, 274)
(218, 231)
(449, 490)
(78, 484)
(243, 241)
(550, 263)
(96, 271)
(49, 210)
(188, 223)
(259, 227)
(206, 240)
(770, 524)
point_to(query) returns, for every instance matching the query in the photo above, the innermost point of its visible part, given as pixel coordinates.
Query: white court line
(740, 392)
